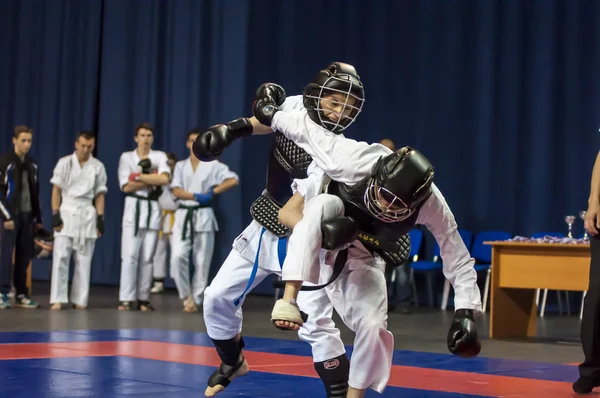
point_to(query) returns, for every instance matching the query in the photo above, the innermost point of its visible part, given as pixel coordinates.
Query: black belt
(137, 211)
(189, 219)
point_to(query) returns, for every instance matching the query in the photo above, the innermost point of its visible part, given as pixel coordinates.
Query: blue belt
(281, 253)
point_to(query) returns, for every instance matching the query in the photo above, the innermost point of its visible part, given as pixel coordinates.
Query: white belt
(78, 205)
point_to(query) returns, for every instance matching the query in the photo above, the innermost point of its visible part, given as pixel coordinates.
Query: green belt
(189, 220)
(137, 211)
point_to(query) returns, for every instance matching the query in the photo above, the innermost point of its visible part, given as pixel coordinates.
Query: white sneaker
(158, 287)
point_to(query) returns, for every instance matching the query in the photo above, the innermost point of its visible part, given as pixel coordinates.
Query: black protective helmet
(399, 185)
(342, 79)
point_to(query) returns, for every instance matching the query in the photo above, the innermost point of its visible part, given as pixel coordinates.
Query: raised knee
(213, 301)
(371, 325)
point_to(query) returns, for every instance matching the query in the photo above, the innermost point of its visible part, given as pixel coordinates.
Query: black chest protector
(353, 198)
(287, 161)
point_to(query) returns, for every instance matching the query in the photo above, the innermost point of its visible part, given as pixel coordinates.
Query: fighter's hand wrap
(145, 166)
(338, 232)
(100, 223)
(271, 92)
(463, 340)
(211, 143)
(56, 219)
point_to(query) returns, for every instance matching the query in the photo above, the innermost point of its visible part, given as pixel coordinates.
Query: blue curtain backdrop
(502, 96)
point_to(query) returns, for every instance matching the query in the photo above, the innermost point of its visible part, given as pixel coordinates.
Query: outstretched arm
(458, 263)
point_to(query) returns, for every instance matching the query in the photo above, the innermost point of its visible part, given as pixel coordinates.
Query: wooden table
(518, 269)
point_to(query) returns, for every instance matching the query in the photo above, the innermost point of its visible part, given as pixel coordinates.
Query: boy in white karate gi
(195, 184)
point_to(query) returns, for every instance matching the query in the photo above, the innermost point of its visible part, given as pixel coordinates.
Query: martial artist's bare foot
(189, 305)
(56, 306)
(287, 325)
(125, 306)
(145, 306)
(212, 391)
(79, 307)
(355, 393)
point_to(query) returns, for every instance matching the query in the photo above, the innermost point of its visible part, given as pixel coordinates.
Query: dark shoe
(24, 301)
(585, 385)
(145, 306)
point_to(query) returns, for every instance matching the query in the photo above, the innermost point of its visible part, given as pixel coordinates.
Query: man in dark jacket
(20, 215)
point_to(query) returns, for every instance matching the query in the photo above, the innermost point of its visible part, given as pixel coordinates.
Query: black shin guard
(229, 350)
(334, 373)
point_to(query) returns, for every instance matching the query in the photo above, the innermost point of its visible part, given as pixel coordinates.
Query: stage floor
(167, 354)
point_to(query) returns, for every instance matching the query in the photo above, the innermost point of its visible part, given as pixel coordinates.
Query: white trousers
(136, 263)
(302, 261)
(202, 250)
(359, 294)
(223, 315)
(61, 258)
(159, 264)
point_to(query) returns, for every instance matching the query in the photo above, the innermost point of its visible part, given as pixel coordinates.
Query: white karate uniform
(136, 272)
(79, 186)
(168, 204)
(195, 226)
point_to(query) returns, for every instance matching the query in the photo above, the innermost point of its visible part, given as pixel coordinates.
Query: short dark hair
(192, 132)
(20, 129)
(145, 126)
(172, 156)
(87, 134)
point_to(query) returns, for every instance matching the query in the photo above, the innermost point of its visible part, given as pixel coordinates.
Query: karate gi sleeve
(101, 180)
(458, 265)
(58, 174)
(123, 171)
(310, 186)
(221, 173)
(177, 181)
(163, 165)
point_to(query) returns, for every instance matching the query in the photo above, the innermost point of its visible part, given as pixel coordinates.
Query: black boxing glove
(100, 223)
(56, 219)
(264, 110)
(463, 340)
(338, 232)
(271, 92)
(211, 143)
(145, 166)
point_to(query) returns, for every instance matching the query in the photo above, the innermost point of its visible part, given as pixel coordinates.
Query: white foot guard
(287, 312)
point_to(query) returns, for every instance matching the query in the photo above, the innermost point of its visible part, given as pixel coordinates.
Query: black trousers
(590, 325)
(21, 240)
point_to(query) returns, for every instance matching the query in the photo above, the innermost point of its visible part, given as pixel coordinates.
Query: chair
(482, 254)
(467, 237)
(416, 239)
(428, 268)
(539, 235)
